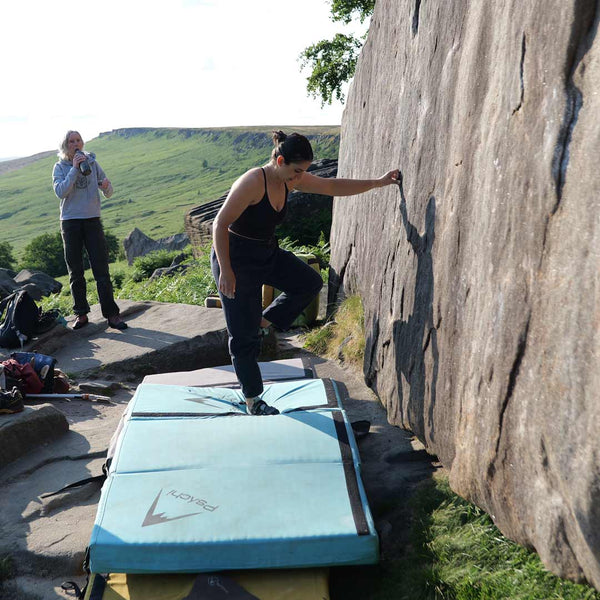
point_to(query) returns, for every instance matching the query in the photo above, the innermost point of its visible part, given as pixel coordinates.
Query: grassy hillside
(158, 174)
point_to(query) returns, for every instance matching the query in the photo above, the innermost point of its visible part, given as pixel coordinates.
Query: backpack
(43, 366)
(21, 316)
(23, 377)
(22, 319)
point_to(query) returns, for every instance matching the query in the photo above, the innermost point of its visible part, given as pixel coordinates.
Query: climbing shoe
(260, 407)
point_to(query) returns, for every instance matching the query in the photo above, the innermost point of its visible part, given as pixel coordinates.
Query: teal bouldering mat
(205, 489)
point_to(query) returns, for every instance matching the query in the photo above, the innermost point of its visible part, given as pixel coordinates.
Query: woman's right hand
(78, 158)
(227, 283)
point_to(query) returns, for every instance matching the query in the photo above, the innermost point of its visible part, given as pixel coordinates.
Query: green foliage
(333, 62)
(307, 227)
(7, 259)
(189, 287)
(343, 338)
(321, 250)
(455, 552)
(345, 10)
(459, 553)
(144, 266)
(45, 253)
(114, 247)
(318, 340)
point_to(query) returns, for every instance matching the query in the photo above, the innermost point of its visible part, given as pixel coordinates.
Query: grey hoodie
(79, 194)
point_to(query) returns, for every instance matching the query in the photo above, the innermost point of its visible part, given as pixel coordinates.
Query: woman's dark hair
(293, 147)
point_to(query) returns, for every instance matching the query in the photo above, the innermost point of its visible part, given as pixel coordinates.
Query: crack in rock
(582, 37)
(522, 74)
(512, 381)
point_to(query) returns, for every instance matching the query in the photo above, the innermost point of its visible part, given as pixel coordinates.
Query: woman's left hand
(391, 177)
(104, 184)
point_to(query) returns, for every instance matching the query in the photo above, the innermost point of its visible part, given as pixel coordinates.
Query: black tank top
(258, 221)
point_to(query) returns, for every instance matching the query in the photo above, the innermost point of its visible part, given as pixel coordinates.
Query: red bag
(26, 377)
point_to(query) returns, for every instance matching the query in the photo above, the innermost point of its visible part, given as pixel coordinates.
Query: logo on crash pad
(184, 499)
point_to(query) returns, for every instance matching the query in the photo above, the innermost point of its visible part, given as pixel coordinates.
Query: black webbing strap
(330, 392)
(98, 587)
(356, 505)
(309, 370)
(71, 585)
(76, 484)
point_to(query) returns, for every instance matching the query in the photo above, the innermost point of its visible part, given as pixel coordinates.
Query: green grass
(158, 175)
(459, 554)
(455, 552)
(344, 339)
(189, 287)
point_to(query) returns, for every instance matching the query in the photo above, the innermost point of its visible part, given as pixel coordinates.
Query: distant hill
(158, 174)
(13, 164)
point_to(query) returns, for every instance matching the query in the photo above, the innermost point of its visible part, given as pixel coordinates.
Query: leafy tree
(115, 249)
(345, 10)
(333, 62)
(7, 259)
(45, 253)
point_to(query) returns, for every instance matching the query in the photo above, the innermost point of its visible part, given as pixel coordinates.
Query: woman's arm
(103, 182)
(63, 180)
(333, 186)
(247, 189)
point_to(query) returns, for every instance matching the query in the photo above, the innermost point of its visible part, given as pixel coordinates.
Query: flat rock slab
(31, 428)
(160, 337)
(47, 537)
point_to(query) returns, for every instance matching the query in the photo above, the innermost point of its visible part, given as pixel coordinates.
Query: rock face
(38, 284)
(199, 220)
(137, 243)
(480, 276)
(45, 284)
(29, 429)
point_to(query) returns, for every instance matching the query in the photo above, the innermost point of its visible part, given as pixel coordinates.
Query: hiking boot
(117, 323)
(11, 402)
(81, 321)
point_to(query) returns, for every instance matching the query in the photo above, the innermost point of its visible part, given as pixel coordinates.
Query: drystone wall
(480, 275)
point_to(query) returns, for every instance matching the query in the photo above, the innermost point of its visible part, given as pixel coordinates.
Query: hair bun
(279, 137)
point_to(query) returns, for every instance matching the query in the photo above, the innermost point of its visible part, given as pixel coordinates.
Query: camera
(84, 166)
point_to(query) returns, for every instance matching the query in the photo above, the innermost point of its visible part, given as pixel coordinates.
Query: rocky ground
(47, 538)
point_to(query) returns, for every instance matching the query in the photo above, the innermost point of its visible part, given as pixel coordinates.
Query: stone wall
(480, 275)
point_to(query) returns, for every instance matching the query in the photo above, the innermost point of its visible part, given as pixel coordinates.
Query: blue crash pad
(197, 490)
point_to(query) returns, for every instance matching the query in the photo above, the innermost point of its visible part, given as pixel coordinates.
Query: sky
(94, 66)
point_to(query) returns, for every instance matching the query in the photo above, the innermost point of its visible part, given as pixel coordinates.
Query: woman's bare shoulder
(251, 184)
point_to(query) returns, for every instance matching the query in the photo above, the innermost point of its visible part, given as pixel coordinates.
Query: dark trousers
(254, 264)
(78, 234)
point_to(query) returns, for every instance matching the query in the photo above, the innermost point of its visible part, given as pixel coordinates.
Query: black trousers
(78, 234)
(256, 263)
